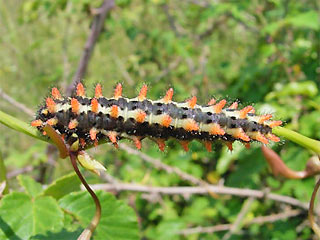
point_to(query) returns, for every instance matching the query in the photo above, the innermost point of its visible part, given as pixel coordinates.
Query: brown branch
(16, 104)
(187, 191)
(96, 28)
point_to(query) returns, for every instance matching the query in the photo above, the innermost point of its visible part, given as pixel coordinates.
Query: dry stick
(86, 234)
(257, 220)
(16, 104)
(243, 212)
(186, 191)
(313, 223)
(88, 48)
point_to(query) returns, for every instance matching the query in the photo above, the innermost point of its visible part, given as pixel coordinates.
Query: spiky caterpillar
(93, 119)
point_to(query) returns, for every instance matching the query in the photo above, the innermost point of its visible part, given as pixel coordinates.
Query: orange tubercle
(233, 105)
(73, 124)
(247, 145)
(75, 106)
(212, 102)
(118, 91)
(219, 106)
(52, 121)
(241, 135)
(272, 137)
(161, 144)
(166, 120)
(82, 142)
(113, 137)
(261, 138)
(216, 129)
(208, 145)
(229, 145)
(192, 102)
(94, 105)
(275, 124)
(140, 116)
(36, 123)
(93, 133)
(143, 93)
(80, 90)
(191, 125)
(98, 91)
(264, 118)
(243, 112)
(114, 111)
(55, 93)
(168, 97)
(185, 145)
(51, 105)
(137, 142)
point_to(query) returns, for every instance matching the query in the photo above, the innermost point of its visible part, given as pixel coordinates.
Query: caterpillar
(97, 118)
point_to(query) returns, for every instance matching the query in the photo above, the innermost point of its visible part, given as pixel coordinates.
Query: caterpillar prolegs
(97, 118)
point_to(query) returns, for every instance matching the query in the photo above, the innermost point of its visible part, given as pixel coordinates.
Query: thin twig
(257, 220)
(16, 104)
(313, 223)
(187, 191)
(122, 69)
(96, 28)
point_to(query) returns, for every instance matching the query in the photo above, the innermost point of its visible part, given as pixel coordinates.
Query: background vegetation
(264, 53)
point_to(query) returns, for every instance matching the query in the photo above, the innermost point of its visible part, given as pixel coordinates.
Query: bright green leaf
(118, 220)
(308, 19)
(32, 187)
(22, 217)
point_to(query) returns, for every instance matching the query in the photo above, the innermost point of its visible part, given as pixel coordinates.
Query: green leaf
(118, 220)
(63, 186)
(32, 187)
(21, 216)
(3, 176)
(308, 19)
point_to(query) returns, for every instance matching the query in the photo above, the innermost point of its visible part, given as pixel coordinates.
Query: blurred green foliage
(264, 53)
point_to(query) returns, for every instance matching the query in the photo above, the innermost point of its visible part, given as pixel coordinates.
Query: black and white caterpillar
(94, 119)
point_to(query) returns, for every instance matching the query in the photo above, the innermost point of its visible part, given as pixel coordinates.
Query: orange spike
(185, 145)
(75, 106)
(114, 111)
(246, 145)
(243, 112)
(94, 105)
(219, 106)
(140, 116)
(208, 145)
(113, 137)
(261, 138)
(137, 142)
(191, 125)
(275, 124)
(192, 102)
(63, 136)
(118, 91)
(44, 133)
(51, 105)
(55, 93)
(252, 111)
(168, 97)
(166, 120)
(240, 134)
(98, 91)
(229, 145)
(36, 123)
(212, 102)
(272, 137)
(80, 90)
(161, 144)
(93, 133)
(82, 142)
(264, 118)
(216, 129)
(143, 93)
(234, 105)
(96, 143)
(73, 124)
(52, 121)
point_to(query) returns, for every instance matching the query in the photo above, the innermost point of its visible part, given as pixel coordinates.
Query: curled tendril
(65, 151)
